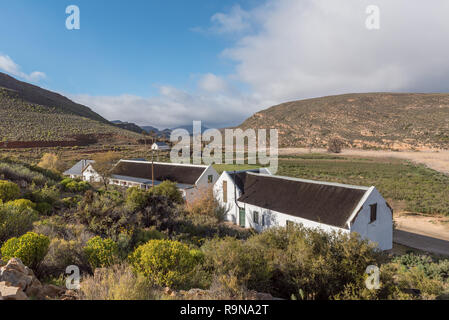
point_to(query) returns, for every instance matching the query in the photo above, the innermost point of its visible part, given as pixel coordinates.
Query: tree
(51, 161)
(104, 163)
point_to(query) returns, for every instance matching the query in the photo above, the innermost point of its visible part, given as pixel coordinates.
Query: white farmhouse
(190, 179)
(160, 146)
(76, 172)
(258, 200)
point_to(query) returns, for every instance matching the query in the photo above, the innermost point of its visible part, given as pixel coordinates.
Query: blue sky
(122, 47)
(166, 63)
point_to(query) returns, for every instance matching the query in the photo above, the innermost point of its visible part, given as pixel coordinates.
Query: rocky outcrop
(18, 282)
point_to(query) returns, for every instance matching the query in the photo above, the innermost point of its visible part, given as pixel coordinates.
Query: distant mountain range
(149, 129)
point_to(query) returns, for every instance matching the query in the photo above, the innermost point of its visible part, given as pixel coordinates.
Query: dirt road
(424, 233)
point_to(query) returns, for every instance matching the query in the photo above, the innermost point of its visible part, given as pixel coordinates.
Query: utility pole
(152, 164)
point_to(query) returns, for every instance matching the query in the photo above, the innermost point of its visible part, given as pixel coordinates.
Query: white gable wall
(230, 205)
(203, 180)
(379, 231)
(90, 175)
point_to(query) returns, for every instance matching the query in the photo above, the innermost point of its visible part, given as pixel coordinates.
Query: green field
(410, 187)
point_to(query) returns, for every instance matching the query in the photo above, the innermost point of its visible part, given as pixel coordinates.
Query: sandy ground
(435, 227)
(435, 159)
(422, 232)
(416, 231)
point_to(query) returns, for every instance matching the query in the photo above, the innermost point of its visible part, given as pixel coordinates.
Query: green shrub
(241, 259)
(70, 202)
(14, 222)
(44, 208)
(145, 235)
(169, 190)
(31, 248)
(8, 190)
(101, 252)
(167, 263)
(65, 181)
(21, 204)
(136, 198)
(76, 186)
(44, 194)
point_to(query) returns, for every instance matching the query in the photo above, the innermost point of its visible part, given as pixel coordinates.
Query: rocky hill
(394, 121)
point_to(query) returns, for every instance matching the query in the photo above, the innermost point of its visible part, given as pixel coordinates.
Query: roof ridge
(168, 163)
(335, 184)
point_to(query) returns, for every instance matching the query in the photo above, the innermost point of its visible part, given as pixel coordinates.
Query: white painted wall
(203, 179)
(233, 194)
(278, 219)
(154, 146)
(90, 175)
(379, 231)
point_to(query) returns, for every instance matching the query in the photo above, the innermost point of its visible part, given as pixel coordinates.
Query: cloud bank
(9, 66)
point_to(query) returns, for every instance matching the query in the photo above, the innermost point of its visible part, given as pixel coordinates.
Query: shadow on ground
(421, 242)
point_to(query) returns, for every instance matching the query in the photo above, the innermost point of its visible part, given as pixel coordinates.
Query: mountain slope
(369, 120)
(37, 95)
(29, 113)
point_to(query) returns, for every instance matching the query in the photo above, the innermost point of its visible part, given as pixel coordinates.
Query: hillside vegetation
(29, 113)
(394, 121)
(37, 95)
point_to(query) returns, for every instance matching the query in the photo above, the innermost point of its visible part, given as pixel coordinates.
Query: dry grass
(118, 282)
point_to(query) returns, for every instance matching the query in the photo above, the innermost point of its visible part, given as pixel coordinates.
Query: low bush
(48, 194)
(205, 204)
(118, 282)
(136, 198)
(73, 185)
(21, 204)
(101, 252)
(14, 221)
(44, 208)
(63, 253)
(246, 262)
(169, 190)
(8, 191)
(165, 262)
(31, 248)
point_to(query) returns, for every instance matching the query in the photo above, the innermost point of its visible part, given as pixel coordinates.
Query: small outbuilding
(76, 172)
(160, 146)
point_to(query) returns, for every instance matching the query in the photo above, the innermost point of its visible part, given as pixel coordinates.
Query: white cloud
(308, 48)
(293, 49)
(9, 66)
(212, 83)
(235, 21)
(171, 108)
